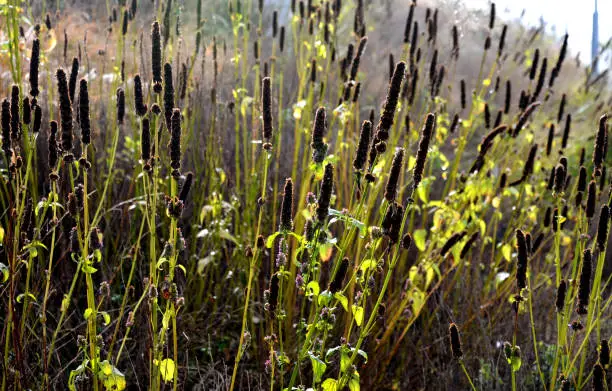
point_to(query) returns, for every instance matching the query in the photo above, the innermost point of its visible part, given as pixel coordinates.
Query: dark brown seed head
(468, 245)
(561, 108)
(273, 297)
(508, 99)
(492, 17)
(582, 179)
(584, 287)
(463, 94)
(15, 113)
(27, 111)
(120, 105)
(266, 108)
(124, 27)
(591, 199)
(175, 140)
(37, 119)
(455, 342)
(406, 241)
(551, 135)
(541, 78)
(318, 131)
(286, 218)
(604, 353)
(547, 216)
(325, 193)
(168, 94)
(600, 140)
(281, 39)
(521, 259)
(602, 228)
(450, 243)
(534, 64)
(409, 23)
(561, 293)
(360, 50)
(599, 378)
(337, 283)
(361, 156)
(65, 111)
(6, 126)
(34, 64)
(428, 129)
(524, 118)
(74, 74)
(559, 181)
(156, 57)
(141, 108)
(502, 41)
(396, 167)
(84, 112)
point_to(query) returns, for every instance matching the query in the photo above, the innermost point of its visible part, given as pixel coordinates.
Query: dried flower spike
(396, 167)
(584, 287)
(317, 144)
(266, 108)
(428, 129)
(455, 341)
(361, 156)
(34, 64)
(521, 262)
(175, 140)
(141, 108)
(84, 112)
(156, 57)
(286, 218)
(325, 193)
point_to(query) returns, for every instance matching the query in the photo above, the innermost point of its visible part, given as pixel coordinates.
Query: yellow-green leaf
(166, 369)
(330, 385)
(358, 314)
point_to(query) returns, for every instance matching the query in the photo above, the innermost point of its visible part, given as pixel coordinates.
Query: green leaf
(507, 252)
(21, 296)
(318, 367)
(312, 289)
(324, 298)
(330, 385)
(89, 269)
(354, 382)
(106, 317)
(345, 361)
(224, 234)
(166, 369)
(270, 240)
(368, 264)
(5, 272)
(1, 236)
(358, 314)
(342, 299)
(111, 377)
(419, 238)
(88, 313)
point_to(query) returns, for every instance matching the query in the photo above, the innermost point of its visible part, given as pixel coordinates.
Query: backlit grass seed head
(591, 199)
(175, 140)
(508, 98)
(74, 74)
(584, 287)
(6, 126)
(318, 131)
(541, 78)
(414, 40)
(356, 93)
(498, 118)
(547, 216)
(281, 39)
(286, 218)
(392, 182)
(186, 187)
(428, 129)
(140, 106)
(561, 293)
(451, 242)
(409, 23)
(325, 193)
(602, 228)
(145, 141)
(37, 119)
(124, 27)
(337, 283)
(34, 64)
(156, 57)
(455, 341)
(84, 112)
(555, 220)
(65, 113)
(413, 86)
(487, 116)
(503, 180)
(168, 93)
(266, 108)
(15, 113)
(522, 121)
(432, 66)
(487, 43)
(600, 140)
(528, 167)
(361, 155)
(521, 260)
